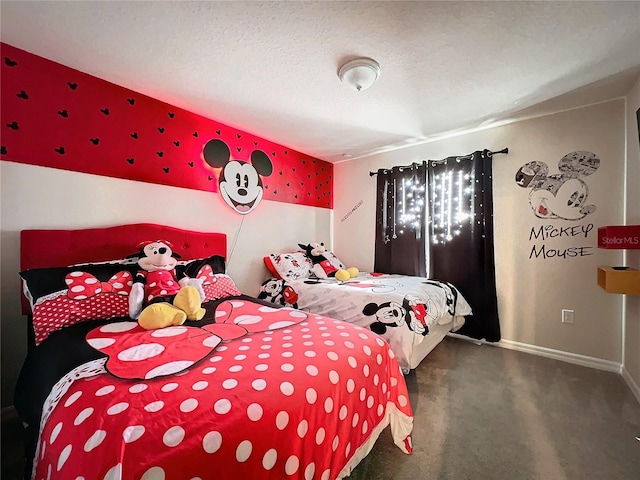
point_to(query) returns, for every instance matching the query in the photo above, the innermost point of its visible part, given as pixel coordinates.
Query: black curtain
(461, 249)
(400, 221)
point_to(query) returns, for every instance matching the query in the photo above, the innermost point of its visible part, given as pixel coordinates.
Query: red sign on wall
(58, 117)
(619, 237)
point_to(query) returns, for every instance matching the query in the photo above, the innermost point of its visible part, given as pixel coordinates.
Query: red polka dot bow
(136, 353)
(83, 285)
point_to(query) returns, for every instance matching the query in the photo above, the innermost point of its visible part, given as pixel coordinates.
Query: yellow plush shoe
(188, 300)
(353, 272)
(342, 275)
(161, 315)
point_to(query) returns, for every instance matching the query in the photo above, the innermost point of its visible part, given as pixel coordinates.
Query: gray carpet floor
(483, 412)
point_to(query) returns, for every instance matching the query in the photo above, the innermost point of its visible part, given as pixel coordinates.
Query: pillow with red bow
(216, 283)
(63, 296)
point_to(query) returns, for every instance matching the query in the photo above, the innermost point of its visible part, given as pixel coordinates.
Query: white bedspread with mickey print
(398, 307)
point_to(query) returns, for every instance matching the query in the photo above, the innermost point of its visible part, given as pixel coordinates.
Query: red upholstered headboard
(56, 248)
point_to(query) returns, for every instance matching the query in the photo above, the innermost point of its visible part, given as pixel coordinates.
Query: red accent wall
(58, 117)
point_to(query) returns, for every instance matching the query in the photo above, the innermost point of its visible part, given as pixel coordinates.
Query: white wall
(632, 304)
(39, 197)
(531, 292)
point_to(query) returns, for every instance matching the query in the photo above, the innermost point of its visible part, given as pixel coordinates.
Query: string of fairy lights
(451, 196)
(411, 204)
(448, 206)
(451, 206)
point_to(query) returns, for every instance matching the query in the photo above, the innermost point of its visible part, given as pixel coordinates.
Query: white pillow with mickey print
(289, 266)
(335, 261)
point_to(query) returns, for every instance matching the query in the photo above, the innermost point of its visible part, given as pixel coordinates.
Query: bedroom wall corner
(631, 360)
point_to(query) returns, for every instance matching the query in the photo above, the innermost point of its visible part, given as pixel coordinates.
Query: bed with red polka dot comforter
(250, 392)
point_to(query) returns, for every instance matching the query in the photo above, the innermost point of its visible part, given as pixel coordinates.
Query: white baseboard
(550, 353)
(583, 360)
(575, 358)
(631, 382)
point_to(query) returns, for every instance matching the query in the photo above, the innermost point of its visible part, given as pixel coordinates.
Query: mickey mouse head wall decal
(240, 182)
(560, 195)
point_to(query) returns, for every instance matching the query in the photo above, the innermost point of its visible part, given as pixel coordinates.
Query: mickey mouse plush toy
(168, 299)
(322, 267)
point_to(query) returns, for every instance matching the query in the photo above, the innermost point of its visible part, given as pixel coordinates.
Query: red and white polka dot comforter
(304, 401)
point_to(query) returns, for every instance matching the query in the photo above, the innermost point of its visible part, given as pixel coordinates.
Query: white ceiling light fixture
(360, 73)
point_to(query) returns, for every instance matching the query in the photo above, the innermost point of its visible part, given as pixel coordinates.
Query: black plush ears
(306, 248)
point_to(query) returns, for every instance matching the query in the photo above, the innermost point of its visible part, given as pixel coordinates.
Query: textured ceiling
(270, 68)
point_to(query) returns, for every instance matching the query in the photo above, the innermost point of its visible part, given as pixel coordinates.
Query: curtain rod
(465, 157)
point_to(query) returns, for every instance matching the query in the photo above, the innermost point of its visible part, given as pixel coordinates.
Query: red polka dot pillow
(64, 296)
(215, 283)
